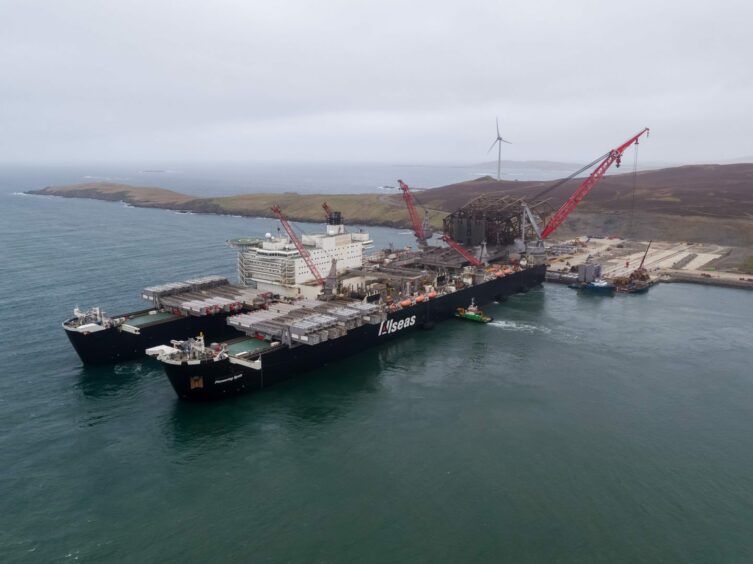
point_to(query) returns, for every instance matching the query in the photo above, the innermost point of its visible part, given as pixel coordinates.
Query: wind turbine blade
(498, 135)
(505, 141)
(492, 147)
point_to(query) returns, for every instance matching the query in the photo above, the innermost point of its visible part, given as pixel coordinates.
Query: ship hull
(116, 345)
(217, 379)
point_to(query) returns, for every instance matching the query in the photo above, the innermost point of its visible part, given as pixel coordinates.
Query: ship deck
(245, 345)
(203, 296)
(148, 319)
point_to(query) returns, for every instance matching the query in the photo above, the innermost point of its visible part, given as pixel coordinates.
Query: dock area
(666, 261)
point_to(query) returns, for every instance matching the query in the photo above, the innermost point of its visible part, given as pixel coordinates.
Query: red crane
(615, 155)
(298, 245)
(421, 231)
(418, 227)
(466, 254)
(327, 209)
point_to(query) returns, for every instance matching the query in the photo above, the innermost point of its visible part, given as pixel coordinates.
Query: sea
(570, 429)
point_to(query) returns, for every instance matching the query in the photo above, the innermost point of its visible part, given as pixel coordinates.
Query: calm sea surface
(570, 429)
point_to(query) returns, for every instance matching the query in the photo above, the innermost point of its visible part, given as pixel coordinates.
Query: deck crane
(615, 155)
(645, 255)
(465, 253)
(327, 209)
(421, 229)
(298, 245)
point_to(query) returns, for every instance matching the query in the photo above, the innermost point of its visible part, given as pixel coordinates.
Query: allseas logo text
(390, 326)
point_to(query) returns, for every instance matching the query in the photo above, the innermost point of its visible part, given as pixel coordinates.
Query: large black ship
(285, 318)
(179, 310)
(294, 336)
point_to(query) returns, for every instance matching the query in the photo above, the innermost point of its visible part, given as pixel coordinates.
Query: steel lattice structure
(491, 218)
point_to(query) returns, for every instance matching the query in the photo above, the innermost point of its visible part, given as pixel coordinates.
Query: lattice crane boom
(615, 155)
(327, 209)
(418, 227)
(298, 245)
(645, 254)
(465, 253)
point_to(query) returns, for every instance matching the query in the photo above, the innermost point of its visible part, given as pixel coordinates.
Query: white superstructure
(274, 264)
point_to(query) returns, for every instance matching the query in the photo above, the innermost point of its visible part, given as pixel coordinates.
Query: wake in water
(520, 327)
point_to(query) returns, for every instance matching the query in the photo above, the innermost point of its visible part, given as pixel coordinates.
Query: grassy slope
(747, 266)
(708, 203)
(367, 209)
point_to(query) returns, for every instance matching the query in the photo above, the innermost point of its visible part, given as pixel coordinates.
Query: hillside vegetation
(703, 203)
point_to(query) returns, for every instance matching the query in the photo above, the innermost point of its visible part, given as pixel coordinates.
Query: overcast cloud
(91, 81)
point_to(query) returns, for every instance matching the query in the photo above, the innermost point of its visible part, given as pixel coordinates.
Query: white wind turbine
(498, 141)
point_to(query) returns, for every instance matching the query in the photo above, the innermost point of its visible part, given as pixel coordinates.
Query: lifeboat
(419, 299)
(432, 294)
(406, 303)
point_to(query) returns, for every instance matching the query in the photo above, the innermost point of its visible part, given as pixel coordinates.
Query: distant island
(698, 203)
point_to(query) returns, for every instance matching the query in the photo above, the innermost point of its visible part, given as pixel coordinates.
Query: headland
(697, 204)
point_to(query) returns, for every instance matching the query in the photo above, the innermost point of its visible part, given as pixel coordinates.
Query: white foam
(519, 327)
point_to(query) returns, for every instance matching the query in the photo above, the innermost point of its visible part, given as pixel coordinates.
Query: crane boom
(645, 254)
(327, 209)
(586, 186)
(466, 254)
(298, 245)
(421, 228)
(418, 227)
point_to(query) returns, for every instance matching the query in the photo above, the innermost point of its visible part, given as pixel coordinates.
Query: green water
(604, 430)
(570, 429)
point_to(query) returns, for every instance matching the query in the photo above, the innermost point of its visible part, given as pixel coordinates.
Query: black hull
(210, 380)
(115, 345)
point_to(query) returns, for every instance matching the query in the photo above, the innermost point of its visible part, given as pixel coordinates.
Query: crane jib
(614, 155)
(298, 245)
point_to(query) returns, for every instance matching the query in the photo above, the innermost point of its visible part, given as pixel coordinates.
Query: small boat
(638, 282)
(473, 313)
(598, 287)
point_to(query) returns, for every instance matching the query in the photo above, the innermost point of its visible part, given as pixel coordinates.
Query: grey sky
(89, 81)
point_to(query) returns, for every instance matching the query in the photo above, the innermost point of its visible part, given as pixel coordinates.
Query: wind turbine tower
(498, 141)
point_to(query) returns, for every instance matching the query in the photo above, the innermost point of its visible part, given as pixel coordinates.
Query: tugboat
(590, 281)
(598, 287)
(473, 313)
